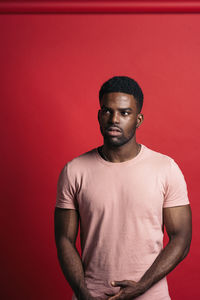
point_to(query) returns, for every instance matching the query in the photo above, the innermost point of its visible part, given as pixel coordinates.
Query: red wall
(51, 69)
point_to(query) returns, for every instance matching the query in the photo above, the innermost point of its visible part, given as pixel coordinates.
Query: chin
(114, 142)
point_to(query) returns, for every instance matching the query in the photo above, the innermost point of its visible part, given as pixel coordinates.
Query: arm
(178, 225)
(66, 229)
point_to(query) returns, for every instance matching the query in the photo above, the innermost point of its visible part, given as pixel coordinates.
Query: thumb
(122, 283)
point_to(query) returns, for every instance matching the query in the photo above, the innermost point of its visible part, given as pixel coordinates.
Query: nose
(114, 118)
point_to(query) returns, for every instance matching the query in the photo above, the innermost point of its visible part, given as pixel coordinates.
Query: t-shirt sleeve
(66, 192)
(176, 190)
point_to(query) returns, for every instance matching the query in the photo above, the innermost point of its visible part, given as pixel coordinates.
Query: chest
(134, 191)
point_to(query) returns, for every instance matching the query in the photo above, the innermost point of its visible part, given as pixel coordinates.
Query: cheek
(131, 123)
(130, 127)
(102, 122)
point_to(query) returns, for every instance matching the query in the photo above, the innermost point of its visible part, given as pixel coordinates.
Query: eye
(125, 113)
(105, 111)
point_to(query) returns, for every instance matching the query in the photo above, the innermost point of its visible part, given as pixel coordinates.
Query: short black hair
(123, 84)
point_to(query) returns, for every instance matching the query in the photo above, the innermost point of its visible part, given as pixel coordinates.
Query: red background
(52, 67)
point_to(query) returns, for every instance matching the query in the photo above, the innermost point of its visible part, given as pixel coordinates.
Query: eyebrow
(120, 109)
(127, 108)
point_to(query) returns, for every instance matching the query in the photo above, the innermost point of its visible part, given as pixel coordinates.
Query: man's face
(118, 118)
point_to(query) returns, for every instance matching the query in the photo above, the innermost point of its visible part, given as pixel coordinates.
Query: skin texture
(119, 111)
(178, 225)
(66, 229)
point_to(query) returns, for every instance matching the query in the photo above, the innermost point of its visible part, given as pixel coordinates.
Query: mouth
(113, 131)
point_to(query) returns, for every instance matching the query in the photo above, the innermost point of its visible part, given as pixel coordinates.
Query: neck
(122, 153)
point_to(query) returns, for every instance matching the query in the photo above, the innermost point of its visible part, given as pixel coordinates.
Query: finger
(122, 283)
(116, 296)
(109, 294)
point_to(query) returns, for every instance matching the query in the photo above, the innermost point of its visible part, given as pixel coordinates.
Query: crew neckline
(126, 162)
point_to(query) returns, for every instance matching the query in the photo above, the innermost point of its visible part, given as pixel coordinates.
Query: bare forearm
(178, 224)
(72, 268)
(167, 260)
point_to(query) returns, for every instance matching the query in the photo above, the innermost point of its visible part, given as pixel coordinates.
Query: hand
(128, 290)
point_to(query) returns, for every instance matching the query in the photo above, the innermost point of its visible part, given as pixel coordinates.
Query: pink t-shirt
(120, 207)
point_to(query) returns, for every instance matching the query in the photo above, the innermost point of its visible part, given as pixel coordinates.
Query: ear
(99, 115)
(140, 119)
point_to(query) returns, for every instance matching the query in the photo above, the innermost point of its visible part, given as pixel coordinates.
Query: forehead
(117, 99)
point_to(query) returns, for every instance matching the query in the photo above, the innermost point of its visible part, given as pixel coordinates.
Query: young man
(123, 194)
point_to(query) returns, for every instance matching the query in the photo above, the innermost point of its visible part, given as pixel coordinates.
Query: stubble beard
(115, 142)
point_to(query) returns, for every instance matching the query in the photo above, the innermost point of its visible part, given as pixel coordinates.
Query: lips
(113, 128)
(113, 131)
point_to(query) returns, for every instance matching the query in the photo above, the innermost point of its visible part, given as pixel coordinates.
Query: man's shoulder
(158, 157)
(83, 160)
